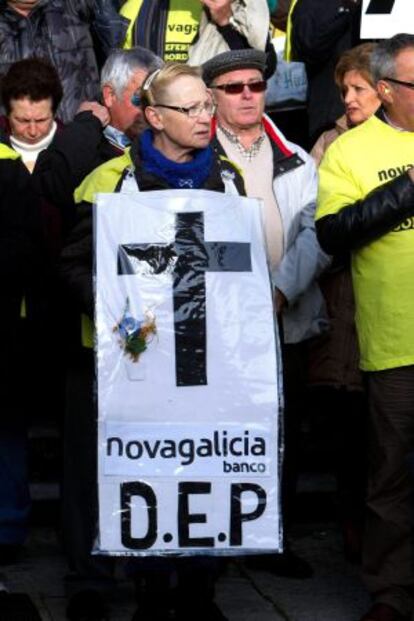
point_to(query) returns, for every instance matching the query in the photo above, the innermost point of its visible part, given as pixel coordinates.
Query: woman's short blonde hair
(356, 59)
(155, 85)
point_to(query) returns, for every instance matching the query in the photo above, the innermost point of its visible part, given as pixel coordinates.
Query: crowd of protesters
(177, 91)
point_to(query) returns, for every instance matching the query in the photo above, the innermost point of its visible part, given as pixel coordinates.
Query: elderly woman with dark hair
(31, 92)
(30, 237)
(23, 266)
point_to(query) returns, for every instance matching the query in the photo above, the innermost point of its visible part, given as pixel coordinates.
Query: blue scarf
(178, 175)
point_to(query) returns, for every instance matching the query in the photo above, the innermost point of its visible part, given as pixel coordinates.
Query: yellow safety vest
(7, 153)
(288, 45)
(130, 10)
(359, 161)
(182, 26)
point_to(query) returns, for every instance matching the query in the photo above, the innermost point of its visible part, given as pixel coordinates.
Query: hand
(279, 301)
(220, 11)
(101, 112)
(411, 174)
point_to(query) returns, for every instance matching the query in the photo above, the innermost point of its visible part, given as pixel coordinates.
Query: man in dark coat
(321, 31)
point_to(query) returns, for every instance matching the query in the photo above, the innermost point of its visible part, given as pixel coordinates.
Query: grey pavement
(335, 593)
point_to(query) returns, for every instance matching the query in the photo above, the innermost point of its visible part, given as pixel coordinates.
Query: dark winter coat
(22, 262)
(321, 31)
(62, 31)
(74, 153)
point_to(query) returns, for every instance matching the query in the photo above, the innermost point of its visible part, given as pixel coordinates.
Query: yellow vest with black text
(182, 26)
(382, 271)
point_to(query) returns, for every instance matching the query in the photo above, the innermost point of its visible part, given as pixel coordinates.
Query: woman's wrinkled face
(30, 121)
(188, 127)
(360, 98)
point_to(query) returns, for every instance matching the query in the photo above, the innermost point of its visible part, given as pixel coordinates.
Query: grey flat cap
(232, 60)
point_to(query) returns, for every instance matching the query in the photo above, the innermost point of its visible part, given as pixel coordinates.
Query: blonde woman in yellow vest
(196, 30)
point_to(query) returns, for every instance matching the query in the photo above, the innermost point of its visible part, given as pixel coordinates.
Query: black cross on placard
(380, 7)
(188, 258)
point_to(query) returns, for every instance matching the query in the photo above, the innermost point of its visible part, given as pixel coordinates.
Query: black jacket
(74, 153)
(20, 229)
(321, 31)
(359, 224)
(22, 265)
(51, 216)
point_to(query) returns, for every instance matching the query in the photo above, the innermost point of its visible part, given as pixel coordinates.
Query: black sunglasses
(235, 88)
(400, 82)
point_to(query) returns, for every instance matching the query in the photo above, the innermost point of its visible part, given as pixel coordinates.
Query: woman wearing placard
(173, 153)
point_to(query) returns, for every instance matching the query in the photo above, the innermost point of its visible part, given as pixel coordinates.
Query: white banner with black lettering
(382, 19)
(188, 376)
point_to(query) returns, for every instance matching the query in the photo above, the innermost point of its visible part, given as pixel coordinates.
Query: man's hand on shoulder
(220, 11)
(411, 174)
(101, 112)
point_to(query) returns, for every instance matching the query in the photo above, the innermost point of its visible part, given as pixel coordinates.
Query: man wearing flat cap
(283, 175)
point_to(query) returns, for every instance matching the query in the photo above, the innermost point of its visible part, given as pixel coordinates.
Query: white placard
(188, 437)
(175, 450)
(382, 19)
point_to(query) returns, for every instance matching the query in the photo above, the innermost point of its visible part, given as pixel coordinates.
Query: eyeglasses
(400, 82)
(192, 111)
(235, 88)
